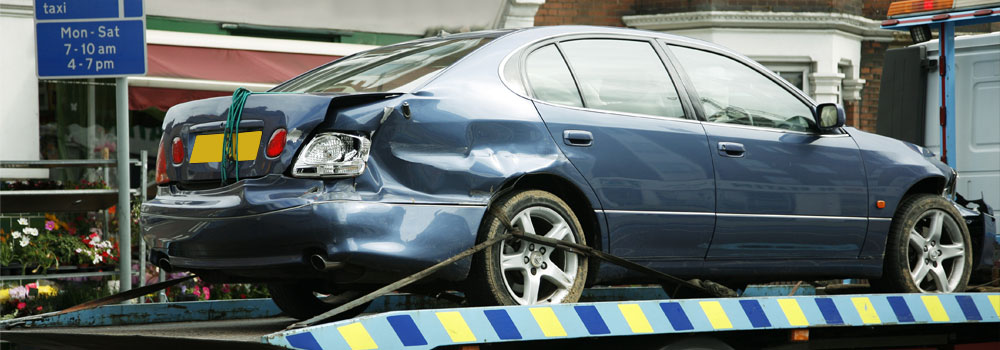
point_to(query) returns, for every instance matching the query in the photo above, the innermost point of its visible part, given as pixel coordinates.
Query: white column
(520, 13)
(19, 139)
(826, 86)
(852, 89)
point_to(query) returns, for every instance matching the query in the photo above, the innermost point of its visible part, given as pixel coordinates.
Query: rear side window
(622, 76)
(732, 93)
(550, 79)
(396, 68)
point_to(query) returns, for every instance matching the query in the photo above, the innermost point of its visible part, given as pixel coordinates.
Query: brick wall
(875, 9)
(853, 7)
(872, 57)
(852, 112)
(590, 12)
(609, 12)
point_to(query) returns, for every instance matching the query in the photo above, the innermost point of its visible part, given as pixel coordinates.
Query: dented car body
(419, 201)
(445, 144)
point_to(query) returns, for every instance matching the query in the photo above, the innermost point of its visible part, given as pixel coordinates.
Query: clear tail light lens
(177, 150)
(161, 165)
(277, 143)
(333, 154)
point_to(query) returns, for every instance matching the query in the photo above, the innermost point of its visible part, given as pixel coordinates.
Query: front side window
(396, 68)
(622, 76)
(732, 93)
(550, 79)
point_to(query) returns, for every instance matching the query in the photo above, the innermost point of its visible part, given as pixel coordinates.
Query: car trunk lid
(199, 127)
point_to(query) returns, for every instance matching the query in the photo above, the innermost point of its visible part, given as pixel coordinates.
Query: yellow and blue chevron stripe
(426, 329)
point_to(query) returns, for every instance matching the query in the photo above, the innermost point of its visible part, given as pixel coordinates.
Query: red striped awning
(215, 65)
(141, 97)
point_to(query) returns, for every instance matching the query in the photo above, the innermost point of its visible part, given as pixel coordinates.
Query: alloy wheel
(936, 252)
(535, 273)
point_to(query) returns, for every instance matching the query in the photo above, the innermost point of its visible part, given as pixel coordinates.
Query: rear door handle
(579, 138)
(732, 149)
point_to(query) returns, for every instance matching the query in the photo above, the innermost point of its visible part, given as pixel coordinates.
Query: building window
(796, 74)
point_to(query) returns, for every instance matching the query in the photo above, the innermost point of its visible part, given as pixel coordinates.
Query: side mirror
(829, 116)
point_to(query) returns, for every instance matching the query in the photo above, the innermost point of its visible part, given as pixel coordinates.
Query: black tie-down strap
(108, 300)
(692, 288)
(399, 284)
(688, 288)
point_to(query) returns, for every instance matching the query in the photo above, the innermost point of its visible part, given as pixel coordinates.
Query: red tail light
(161, 166)
(277, 143)
(177, 150)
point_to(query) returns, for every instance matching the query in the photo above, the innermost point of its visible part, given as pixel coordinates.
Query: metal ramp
(428, 329)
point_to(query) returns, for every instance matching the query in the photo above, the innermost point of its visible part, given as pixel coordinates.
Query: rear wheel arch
(575, 197)
(565, 190)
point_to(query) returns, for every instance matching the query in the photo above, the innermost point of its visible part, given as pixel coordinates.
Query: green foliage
(46, 250)
(196, 289)
(6, 250)
(69, 294)
(43, 243)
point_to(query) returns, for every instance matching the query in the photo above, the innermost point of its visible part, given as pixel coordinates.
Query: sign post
(77, 39)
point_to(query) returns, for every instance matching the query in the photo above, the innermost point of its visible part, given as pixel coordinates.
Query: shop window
(77, 121)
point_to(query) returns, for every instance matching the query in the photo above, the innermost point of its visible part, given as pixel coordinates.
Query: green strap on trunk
(231, 134)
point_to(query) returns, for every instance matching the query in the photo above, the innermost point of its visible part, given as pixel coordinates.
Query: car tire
(298, 300)
(530, 273)
(928, 238)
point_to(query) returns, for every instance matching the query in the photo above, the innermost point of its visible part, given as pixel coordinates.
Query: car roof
(532, 34)
(515, 40)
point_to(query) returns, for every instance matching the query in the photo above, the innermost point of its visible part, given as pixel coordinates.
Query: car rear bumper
(236, 234)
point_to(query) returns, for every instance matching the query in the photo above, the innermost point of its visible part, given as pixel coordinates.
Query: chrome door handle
(580, 138)
(732, 149)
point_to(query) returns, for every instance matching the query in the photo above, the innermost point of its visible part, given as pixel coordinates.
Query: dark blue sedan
(667, 151)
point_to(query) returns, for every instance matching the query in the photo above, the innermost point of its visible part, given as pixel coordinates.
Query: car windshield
(396, 68)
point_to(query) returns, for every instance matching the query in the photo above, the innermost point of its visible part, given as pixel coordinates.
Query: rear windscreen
(397, 68)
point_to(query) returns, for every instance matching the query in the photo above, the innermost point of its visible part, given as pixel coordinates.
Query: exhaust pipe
(319, 263)
(164, 264)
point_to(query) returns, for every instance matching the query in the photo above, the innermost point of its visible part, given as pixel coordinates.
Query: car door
(783, 190)
(615, 113)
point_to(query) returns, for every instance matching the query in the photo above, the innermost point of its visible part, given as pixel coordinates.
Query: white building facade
(818, 52)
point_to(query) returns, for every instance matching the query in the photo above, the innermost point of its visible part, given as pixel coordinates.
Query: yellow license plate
(208, 148)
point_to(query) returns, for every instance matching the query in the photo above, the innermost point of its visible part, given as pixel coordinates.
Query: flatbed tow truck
(849, 321)
(627, 318)
(634, 318)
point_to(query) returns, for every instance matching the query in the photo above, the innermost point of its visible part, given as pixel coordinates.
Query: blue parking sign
(90, 38)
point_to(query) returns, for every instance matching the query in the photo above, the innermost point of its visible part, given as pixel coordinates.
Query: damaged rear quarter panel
(466, 136)
(428, 178)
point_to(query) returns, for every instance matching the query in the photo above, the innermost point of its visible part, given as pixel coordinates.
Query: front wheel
(515, 272)
(929, 249)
